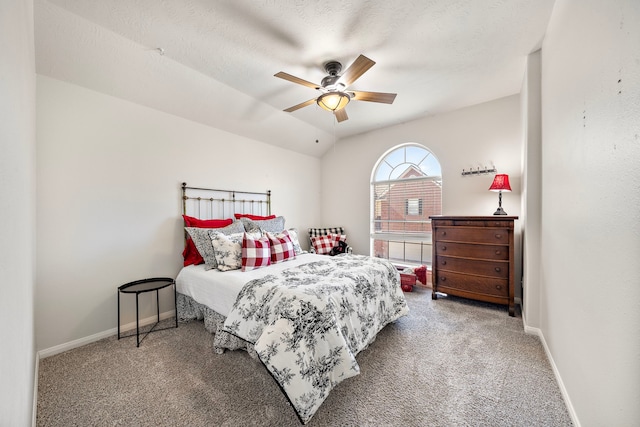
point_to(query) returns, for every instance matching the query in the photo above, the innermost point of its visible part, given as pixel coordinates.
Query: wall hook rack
(479, 171)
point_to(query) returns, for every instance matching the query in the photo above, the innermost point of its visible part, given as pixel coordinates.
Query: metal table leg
(137, 323)
(175, 302)
(118, 313)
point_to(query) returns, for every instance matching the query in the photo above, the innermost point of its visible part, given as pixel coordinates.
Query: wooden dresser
(473, 258)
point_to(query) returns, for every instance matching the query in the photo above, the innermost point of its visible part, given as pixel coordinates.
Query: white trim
(563, 390)
(435, 178)
(424, 238)
(42, 354)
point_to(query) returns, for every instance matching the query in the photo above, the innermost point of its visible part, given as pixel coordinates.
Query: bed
(304, 316)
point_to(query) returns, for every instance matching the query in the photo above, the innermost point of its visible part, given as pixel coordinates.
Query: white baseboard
(563, 390)
(42, 354)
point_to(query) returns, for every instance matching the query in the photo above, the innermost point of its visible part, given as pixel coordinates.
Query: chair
(318, 232)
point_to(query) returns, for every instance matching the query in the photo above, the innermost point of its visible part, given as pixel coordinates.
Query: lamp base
(500, 211)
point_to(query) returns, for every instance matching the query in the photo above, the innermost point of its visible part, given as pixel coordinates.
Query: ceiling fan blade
(355, 70)
(385, 98)
(341, 115)
(295, 79)
(299, 106)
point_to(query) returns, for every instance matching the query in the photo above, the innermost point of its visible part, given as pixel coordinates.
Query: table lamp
(500, 184)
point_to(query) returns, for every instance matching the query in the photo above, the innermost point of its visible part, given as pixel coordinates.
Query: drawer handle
(444, 248)
(443, 279)
(498, 287)
(444, 233)
(444, 262)
(498, 269)
(498, 252)
(498, 236)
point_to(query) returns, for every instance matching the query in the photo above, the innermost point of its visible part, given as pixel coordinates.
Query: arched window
(406, 188)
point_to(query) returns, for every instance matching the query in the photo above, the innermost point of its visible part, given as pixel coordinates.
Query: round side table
(147, 285)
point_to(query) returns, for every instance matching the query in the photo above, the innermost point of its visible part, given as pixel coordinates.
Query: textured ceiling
(218, 57)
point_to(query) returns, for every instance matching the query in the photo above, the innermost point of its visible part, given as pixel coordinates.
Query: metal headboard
(208, 203)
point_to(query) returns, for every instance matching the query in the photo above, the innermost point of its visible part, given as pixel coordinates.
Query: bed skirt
(188, 309)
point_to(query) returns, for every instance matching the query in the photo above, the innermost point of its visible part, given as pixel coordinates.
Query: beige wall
(590, 232)
(487, 134)
(17, 212)
(98, 154)
(531, 190)
(108, 201)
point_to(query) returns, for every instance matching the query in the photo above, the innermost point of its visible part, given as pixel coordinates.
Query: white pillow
(202, 239)
(293, 234)
(227, 250)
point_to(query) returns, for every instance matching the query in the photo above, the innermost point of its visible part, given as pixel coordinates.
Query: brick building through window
(406, 190)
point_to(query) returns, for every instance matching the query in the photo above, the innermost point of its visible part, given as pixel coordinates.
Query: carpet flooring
(450, 362)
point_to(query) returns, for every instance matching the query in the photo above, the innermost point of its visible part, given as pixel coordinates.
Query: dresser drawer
(499, 224)
(472, 284)
(473, 223)
(472, 251)
(472, 235)
(474, 266)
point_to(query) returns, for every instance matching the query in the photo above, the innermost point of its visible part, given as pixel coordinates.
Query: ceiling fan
(335, 95)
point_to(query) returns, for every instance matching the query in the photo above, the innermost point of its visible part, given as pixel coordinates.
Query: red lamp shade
(500, 183)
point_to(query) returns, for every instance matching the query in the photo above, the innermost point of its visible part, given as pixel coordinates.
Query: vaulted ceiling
(213, 61)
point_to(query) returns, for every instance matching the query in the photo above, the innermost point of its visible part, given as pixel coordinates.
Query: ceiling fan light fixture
(333, 101)
(335, 93)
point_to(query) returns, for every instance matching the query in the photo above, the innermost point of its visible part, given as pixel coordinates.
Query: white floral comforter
(308, 323)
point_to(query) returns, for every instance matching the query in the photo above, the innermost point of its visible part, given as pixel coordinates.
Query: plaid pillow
(281, 247)
(324, 244)
(256, 252)
(316, 232)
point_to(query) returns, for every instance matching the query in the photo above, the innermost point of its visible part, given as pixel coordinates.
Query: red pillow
(339, 237)
(253, 217)
(324, 244)
(281, 247)
(190, 253)
(256, 252)
(206, 223)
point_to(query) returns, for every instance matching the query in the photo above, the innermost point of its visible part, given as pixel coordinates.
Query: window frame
(390, 236)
